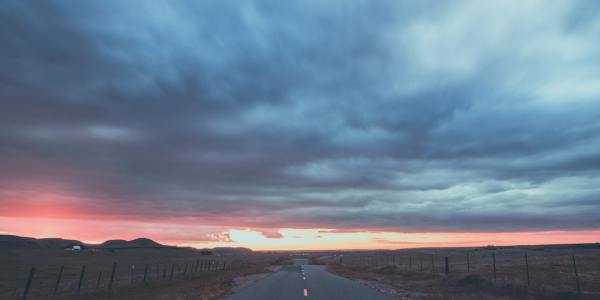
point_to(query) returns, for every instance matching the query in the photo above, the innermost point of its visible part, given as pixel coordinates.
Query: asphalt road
(306, 282)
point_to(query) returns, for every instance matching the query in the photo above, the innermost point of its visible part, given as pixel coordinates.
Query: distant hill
(231, 250)
(137, 243)
(18, 242)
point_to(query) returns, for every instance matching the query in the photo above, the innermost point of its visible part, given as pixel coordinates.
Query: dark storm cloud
(403, 116)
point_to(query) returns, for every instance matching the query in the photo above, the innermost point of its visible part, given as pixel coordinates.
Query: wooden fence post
(447, 265)
(112, 275)
(131, 274)
(58, 278)
(420, 263)
(410, 262)
(527, 269)
(164, 273)
(432, 263)
(28, 283)
(468, 263)
(494, 264)
(185, 270)
(576, 275)
(172, 270)
(80, 278)
(196, 266)
(145, 272)
(157, 271)
(98, 281)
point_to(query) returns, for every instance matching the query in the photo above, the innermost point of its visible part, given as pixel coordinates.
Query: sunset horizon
(371, 242)
(290, 239)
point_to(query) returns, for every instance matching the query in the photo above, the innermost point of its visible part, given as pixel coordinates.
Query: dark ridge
(18, 242)
(8, 242)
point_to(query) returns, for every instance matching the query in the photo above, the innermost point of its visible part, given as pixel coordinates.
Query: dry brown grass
(197, 285)
(410, 274)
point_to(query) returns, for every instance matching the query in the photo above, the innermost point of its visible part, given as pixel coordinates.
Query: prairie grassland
(421, 274)
(169, 273)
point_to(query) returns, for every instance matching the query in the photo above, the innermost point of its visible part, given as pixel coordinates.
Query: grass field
(169, 273)
(422, 274)
(405, 274)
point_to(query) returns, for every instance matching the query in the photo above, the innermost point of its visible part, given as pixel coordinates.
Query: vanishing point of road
(306, 282)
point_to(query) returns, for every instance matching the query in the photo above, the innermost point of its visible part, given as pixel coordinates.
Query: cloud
(271, 234)
(342, 115)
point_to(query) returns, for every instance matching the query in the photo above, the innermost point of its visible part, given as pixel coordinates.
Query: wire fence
(548, 272)
(49, 280)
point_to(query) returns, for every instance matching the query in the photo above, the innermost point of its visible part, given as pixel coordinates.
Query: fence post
(28, 283)
(410, 262)
(112, 275)
(432, 264)
(494, 264)
(164, 273)
(58, 278)
(576, 275)
(447, 265)
(157, 271)
(196, 266)
(468, 263)
(420, 263)
(172, 270)
(80, 278)
(527, 269)
(185, 270)
(145, 272)
(131, 274)
(98, 281)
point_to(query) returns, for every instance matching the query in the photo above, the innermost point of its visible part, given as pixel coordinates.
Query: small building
(74, 248)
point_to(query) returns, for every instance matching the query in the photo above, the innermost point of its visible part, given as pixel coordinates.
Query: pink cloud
(270, 233)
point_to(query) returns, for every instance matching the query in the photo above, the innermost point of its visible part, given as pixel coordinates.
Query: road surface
(306, 282)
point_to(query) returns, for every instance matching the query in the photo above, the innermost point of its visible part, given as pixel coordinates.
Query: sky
(301, 124)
